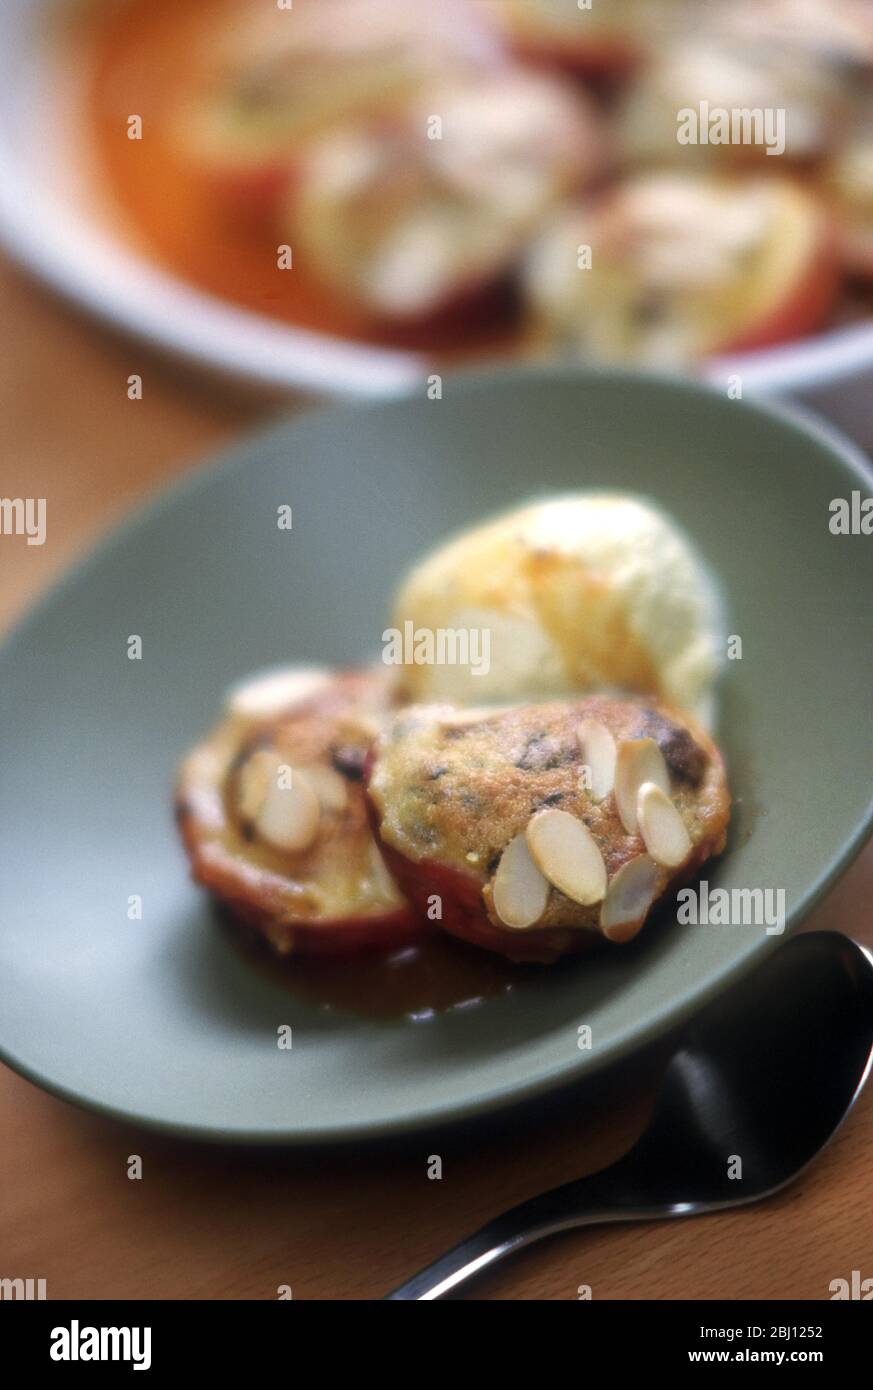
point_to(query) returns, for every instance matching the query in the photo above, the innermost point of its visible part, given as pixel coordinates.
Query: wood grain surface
(217, 1223)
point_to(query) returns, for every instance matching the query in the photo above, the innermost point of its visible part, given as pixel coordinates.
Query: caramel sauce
(144, 57)
(415, 983)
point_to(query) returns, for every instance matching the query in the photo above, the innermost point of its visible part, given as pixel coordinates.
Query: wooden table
(216, 1223)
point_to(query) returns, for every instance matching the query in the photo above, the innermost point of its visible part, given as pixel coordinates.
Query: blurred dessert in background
(687, 267)
(409, 226)
(804, 59)
(268, 83)
(433, 173)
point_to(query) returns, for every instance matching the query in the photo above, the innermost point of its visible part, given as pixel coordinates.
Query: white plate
(50, 221)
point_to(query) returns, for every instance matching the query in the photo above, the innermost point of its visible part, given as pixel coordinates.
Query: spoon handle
(580, 1203)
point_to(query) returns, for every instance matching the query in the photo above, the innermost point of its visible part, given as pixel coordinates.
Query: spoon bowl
(766, 1073)
(759, 1083)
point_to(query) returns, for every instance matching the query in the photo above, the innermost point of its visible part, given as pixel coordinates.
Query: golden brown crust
(451, 792)
(335, 895)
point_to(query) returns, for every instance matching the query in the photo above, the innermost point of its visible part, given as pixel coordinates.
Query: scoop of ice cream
(579, 592)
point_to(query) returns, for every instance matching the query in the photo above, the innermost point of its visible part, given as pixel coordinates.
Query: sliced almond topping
(520, 892)
(638, 760)
(290, 814)
(599, 753)
(330, 788)
(564, 849)
(269, 692)
(628, 898)
(662, 827)
(254, 781)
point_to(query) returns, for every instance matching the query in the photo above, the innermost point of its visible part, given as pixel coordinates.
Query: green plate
(167, 1021)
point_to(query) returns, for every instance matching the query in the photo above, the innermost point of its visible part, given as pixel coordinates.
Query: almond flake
(661, 826)
(520, 893)
(563, 848)
(599, 754)
(254, 782)
(638, 760)
(271, 692)
(289, 816)
(628, 898)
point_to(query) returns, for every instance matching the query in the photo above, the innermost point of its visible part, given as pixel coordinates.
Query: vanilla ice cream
(578, 592)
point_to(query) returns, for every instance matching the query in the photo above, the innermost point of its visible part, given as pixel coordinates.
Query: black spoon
(760, 1081)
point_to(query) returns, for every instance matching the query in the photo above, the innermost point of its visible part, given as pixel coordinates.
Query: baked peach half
(411, 214)
(533, 829)
(667, 268)
(273, 816)
(273, 80)
(748, 84)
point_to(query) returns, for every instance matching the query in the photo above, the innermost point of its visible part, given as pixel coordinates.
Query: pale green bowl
(163, 1021)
